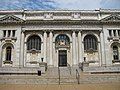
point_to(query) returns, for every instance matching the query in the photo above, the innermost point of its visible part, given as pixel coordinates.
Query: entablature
(63, 29)
(60, 16)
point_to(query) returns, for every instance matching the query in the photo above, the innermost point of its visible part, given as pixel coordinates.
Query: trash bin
(39, 73)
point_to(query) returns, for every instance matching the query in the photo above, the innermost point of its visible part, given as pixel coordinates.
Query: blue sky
(59, 4)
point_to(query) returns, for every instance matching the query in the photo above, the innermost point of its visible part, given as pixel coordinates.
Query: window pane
(13, 33)
(4, 33)
(34, 42)
(90, 42)
(115, 53)
(8, 53)
(62, 40)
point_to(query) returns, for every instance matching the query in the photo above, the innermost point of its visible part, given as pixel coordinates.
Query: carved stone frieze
(10, 19)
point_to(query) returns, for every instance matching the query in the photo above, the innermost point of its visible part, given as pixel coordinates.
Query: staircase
(55, 75)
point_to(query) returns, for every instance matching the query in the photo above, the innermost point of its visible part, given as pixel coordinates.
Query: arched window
(115, 53)
(62, 40)
(34, 42)
(90, 43)
(8, 53)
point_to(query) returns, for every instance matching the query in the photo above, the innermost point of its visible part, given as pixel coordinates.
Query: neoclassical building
(59, 38)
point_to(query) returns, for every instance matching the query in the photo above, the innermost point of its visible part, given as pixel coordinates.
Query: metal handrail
(78, 76)
(69, 67)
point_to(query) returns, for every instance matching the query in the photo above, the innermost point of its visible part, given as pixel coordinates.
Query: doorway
(62, 58)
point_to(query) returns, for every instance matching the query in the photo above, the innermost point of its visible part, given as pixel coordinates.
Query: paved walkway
(115, 86)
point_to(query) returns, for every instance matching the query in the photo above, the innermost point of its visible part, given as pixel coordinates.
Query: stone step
(108, 69)
(99, 78)
(64, 71)
(25, 70)
(34, 79)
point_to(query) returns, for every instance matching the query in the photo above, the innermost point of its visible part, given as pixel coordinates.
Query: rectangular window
(13, 33)
(114, 32)
(110, 33)
(118, 32)
(4, 33)
(9, 33)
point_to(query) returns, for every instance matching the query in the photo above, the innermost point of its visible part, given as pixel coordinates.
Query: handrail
(78, 76)
(69, 67)
(59, 74)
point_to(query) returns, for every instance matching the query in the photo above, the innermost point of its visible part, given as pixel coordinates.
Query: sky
(59, 4)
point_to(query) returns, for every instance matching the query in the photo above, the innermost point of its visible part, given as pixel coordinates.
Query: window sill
(8, 62)
(62, 46)
(33, 51)
(8, 38)
(115, 61)
(90, 51)
(92, 61)
(114, 38)
(33, 62)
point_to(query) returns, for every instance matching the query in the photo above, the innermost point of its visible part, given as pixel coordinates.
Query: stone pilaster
(51, 47)
(103, 62)
(80, 47)
(22, 50)
(45, 45)
(74, 48)
(99, 54)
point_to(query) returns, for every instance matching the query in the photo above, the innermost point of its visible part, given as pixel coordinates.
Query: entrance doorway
(62, 58)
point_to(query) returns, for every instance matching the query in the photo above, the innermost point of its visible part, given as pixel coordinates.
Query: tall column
(80, 47)
(22, 50)
(45, 45)
(51, 46)
(74, 48)
(102, 48)
(99, 54)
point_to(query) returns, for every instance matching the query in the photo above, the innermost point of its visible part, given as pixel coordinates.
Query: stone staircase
(21, 70)
(99, 78)
(102, 69)
(52, 76)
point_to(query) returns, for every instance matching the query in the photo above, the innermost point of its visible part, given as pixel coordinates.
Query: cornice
(74, 17)
(59, 29)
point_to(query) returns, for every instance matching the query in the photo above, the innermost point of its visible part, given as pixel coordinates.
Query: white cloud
(78, 4)
(110, 4)
(59, 4)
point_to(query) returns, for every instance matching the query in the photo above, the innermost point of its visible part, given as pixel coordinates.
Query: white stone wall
(90, 23)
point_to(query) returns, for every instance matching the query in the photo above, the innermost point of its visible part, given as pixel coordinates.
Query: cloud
(27, 4)
(110, 4)
(78, 4)
(58, 4)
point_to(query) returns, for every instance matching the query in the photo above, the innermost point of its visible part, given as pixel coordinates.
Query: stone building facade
(59, 38)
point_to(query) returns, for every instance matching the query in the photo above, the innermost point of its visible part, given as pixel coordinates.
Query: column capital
(51, 30)
(101, 31)
(44, 30)
(73, 31)
(79, 31)
(22, 31)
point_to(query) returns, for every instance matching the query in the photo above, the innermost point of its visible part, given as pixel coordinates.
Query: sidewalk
(115, 86)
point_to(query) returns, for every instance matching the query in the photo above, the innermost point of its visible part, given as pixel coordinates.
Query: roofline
(60, 10)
